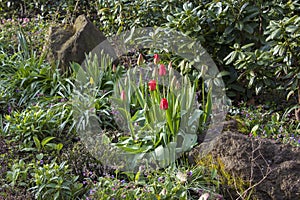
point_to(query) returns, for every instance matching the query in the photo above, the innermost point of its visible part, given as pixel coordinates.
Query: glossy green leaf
(46, 140)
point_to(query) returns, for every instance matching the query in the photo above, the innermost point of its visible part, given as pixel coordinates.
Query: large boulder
(273, 168)
(70, 43)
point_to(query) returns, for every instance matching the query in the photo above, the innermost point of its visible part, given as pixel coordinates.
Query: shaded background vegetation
(256, 41)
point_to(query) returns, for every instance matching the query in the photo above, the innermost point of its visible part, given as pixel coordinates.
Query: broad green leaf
(138, 116)
(56, 195)
(59, 146)
(135, 149)
(195, 117)
(29, 149)
(170, 120)
(231, 57)
(159, 152)
(46, 140)
(137, 176)
(51, 145)
(239, 25)
(228, 29)
(247, 46)
(223, 73)
(189, 141)
(292, 28)
(37, 143)
(248, 29)
(291, 93)
(105, 139)
(274, 34)
(255, 128)
(39, 156)
(251, 81)
(170, 18)
(208, 106)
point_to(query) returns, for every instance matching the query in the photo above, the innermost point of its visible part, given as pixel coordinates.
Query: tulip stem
(163, 80)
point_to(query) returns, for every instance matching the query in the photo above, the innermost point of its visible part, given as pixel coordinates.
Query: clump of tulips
(158, 111)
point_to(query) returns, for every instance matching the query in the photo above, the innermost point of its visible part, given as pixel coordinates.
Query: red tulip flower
(162, 70)
(163, 104)
(156, 59)
(152, 85)
(123, 95)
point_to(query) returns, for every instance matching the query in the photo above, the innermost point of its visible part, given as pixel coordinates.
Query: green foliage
(93, 85)
(45, 181)
(46, 145)
(254, 30)
(61, 9)
(33, 29)
(128, 14)
(26, 77)
(35, 126)
(55, 181)
(18, 176)
(170, 183)
(260, 122)
(111, 16)
(250, 28)
(257, 67)
(283, 36)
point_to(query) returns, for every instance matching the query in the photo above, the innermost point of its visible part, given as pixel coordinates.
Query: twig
(253, 164)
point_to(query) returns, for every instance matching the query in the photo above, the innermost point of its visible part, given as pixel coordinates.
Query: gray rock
(272, 167)
(68, 43)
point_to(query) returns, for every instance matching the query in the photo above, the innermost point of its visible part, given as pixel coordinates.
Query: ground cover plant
(42, 157)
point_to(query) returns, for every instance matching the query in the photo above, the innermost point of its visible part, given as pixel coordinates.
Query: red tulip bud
(152, 85)
(123, 95)
(163, 104)
(156, 59)
(162, 70)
